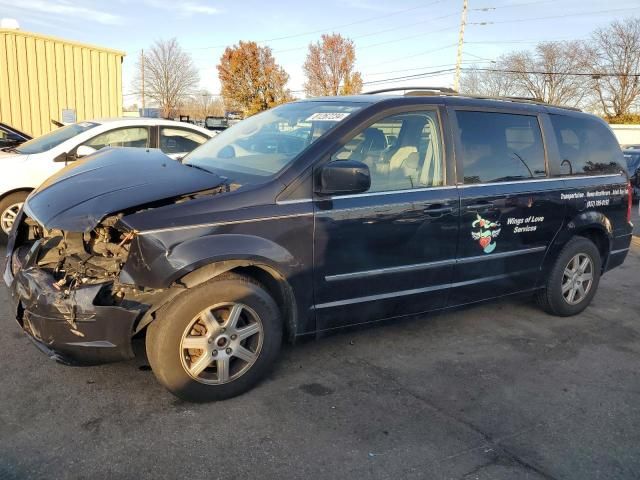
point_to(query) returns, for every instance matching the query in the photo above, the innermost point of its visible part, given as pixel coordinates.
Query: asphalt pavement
(496, 391)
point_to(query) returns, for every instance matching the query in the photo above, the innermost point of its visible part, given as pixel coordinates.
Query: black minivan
(316, 215)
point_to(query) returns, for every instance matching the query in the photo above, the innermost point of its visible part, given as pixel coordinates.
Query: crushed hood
(115, 179)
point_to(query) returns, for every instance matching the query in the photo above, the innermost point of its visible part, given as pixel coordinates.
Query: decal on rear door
(485, 234)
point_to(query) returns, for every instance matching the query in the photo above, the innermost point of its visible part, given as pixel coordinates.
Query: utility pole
(142, 74)
(463, 23)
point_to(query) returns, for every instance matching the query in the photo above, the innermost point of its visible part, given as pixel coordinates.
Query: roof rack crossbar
(427, 89)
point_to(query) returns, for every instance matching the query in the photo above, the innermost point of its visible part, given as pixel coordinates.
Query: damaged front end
(67, 254)
(67, 293)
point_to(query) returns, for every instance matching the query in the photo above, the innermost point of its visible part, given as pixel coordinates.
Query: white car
(25, 167)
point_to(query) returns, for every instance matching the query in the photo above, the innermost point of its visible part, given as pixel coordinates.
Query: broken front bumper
(71, 328)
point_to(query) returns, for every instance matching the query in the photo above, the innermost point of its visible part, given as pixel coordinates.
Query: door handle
(481, 205)
(437, 209)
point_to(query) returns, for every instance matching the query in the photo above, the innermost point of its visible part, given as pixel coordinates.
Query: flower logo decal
(485, 233)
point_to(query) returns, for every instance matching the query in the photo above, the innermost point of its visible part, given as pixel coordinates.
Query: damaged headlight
(20, 256)
(16, 262)
(77, 258)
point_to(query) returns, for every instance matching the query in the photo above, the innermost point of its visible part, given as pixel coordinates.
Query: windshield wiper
(11, 149)
(193, 165)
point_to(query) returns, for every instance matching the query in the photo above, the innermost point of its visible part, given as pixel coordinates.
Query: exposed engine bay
(75, 259)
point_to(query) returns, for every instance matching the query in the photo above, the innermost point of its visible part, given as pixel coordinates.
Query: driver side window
(403, 151)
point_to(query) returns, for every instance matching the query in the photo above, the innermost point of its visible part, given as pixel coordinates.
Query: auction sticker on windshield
(327, 117)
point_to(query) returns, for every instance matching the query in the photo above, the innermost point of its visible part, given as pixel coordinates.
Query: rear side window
(587, 147)
(498, 147)
(180, 140)
(121, 137)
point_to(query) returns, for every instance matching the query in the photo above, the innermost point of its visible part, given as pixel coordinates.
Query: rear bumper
(619, 249)
(70, 328)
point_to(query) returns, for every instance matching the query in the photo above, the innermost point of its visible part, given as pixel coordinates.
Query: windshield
(55, 138)
(264, 144)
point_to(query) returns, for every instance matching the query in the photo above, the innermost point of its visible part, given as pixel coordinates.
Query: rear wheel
(9, 208)
(573, 280)
(217, 340)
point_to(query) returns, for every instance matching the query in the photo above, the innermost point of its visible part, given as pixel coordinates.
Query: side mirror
(84, 150)
(344, 177)
(62, 158)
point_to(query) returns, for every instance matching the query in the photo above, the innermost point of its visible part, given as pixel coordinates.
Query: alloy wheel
(577, 278)
(221, 343)
(9, 216)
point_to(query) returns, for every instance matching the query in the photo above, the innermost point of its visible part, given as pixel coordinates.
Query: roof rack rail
(446, 90)
(524, 99)
(531, 100)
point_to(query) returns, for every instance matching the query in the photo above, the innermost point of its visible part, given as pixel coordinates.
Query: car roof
(452, 99)
(125, 121)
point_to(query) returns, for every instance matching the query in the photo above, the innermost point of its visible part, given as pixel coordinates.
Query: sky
(392, 39)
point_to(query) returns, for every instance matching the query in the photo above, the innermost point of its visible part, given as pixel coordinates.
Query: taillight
(629, 200)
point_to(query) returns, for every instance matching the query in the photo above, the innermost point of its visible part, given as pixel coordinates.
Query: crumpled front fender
(154, 265)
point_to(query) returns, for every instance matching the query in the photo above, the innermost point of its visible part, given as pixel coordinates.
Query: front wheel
(215, 341)
(573, 279)
(9, 209)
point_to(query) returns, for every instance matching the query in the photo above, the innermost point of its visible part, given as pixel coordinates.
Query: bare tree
(548, 73)
(488, 83)
(206, 104)
(329, 67)
(617, 50)
(169, 75)
(202, 104)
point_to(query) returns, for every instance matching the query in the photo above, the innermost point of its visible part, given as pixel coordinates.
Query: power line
(529, 19)
(421, 68)
(468, 69)
(498, 42)
(409, 77)
(478, 57)
(526, 4)
(417, 54)
(571, 74)
(311, 32)
(429, 20)
(398, 27)
(406, 38)
(379, 32)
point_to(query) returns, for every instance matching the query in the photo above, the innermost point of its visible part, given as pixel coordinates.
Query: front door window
(402, 152)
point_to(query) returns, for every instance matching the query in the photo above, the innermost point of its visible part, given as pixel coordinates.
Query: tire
(235, 358)
(8, 207)
(556, 298)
